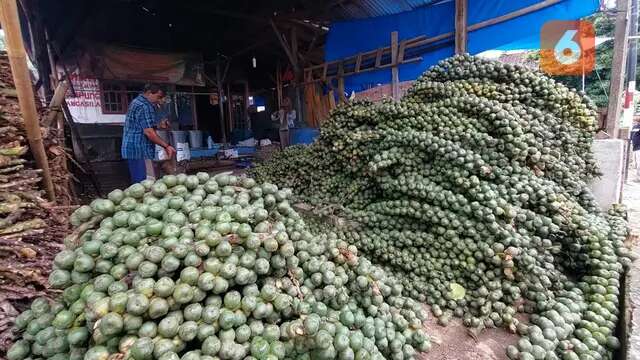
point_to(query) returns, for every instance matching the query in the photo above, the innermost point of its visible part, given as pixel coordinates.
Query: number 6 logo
(567, 51)
(567, 48)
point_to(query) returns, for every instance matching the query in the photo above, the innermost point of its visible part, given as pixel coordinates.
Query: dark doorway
(208, 117)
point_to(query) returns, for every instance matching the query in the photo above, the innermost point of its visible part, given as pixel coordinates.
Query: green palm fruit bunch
(473, 191)
(202, 268)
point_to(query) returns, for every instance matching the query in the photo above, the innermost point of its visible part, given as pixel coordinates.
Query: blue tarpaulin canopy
(348, 38)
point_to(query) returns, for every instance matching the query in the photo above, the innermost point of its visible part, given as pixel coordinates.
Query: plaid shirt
(141, 115)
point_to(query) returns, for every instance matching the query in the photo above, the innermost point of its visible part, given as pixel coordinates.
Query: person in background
(286, 117)
(635, 145)
(139, 136)
(165, 166)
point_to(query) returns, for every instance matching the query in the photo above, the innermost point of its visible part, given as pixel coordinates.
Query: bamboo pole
(18, 59)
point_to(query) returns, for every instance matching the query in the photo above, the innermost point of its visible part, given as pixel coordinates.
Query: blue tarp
(351, 37)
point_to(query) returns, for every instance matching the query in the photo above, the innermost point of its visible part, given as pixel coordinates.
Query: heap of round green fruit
(200, 268)
(473, 191)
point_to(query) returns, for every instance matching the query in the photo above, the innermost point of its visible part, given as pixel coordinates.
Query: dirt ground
(454, 342)
(631, 198)
(631, 332)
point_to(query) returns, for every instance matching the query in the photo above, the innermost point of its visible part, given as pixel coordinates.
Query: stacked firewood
(31, 226)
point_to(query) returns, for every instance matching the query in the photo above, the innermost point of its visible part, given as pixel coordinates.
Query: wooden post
(341, 96)
(461, 26)
(298, 75)
(294, 43)
(52, 61)
(220, 96)
(194, 112)
(22, 79)
(293, 58)
(332, 100)
(231, 121)
(38, 46)
(246, 105)
(618, 68)
(395, 78)
(279, 84)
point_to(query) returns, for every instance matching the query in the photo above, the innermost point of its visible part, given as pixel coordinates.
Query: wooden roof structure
(273, 31)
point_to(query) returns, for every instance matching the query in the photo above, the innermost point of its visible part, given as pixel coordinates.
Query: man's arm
(149, 131)
(151, 134)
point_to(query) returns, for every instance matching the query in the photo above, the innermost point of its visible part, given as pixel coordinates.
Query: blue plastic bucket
(246, 150)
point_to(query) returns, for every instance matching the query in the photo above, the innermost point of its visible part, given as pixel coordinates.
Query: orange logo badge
(567, 47)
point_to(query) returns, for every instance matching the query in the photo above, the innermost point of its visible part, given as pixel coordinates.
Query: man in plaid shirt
(139, 133)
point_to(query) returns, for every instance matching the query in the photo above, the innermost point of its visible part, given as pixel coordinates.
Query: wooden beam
(38, 46)
(317, 10)
(298, 75)
(294, 47)
(433, 39)
(65, 69)
(255, 45)
(358, 63)
(224, 13)
(390, 64)
(230, 109)
(279, 84)
(620, 46)
(513, 14)
(379, 57)
(312, 44)
(286, 27)
(341, 95)
(246, 105)
(395, 79)
(311, 26)
(285, 46)
(55, 105)
(17, 57)
(461, 26)
(52, 60)
(401, 49)
(332, 99)
(75, 134)
(422, 40)
(226, 71)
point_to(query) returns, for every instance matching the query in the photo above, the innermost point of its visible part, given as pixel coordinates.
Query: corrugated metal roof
(358, 9)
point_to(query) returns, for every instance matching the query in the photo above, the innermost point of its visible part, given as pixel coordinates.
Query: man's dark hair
(153, 88)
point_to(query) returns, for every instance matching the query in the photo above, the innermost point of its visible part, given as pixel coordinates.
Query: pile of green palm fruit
(473, 191)
(200, 268)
